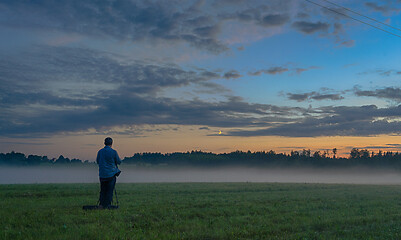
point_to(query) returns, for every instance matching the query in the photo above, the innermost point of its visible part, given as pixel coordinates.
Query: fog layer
(89, 174)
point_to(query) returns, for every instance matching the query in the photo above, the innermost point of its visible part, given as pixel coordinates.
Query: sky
(216, 76)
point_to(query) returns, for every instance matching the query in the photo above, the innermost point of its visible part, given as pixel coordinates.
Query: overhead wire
(355, 19)
(362, 15)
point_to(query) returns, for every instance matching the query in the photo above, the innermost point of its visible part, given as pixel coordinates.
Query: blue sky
(157, 73)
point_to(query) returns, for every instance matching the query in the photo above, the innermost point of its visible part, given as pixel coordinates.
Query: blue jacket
(107, 158)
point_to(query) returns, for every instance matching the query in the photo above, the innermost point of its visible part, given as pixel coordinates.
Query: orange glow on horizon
(190, 138)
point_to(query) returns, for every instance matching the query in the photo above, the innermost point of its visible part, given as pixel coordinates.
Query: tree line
(303, 158)
(20, 159)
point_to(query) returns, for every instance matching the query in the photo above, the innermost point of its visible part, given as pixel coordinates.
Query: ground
(203, 211)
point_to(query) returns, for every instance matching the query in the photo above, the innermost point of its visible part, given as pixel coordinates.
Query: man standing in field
(107, 159)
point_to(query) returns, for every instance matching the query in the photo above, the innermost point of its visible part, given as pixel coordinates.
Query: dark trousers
(106, 190)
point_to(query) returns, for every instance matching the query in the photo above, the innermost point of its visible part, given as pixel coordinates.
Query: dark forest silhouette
(304, 158)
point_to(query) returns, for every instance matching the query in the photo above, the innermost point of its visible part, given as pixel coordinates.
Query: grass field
(203, 211)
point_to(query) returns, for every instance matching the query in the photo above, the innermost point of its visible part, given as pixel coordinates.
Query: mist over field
(130, 174)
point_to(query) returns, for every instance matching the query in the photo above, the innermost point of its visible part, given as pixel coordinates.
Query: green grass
(203, 211)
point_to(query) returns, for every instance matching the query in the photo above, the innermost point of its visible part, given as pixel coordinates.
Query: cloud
(384, 9)
(203, 25)
(28, 143)
(298, 97)
(279, 70)
(303, 15)
(50, 90)
(271, 20)
(339, 121)
(122, 20)
(196, 23)
(49, 78)
(276, 70)
(211, 88)
(390, 93)
(232, 74)
(301, 70)
(271, 70)
(136, 110)
(43, 93)
(386, 72)
(333, 97)
(310, 27)
(314, 96)
(274, 14)
(338, 29)
(348, 43)
(386, 146)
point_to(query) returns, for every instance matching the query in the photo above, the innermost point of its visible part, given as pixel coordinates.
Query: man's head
(108, 141)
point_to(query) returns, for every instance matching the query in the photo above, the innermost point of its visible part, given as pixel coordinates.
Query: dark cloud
(232, 74)
(314, 96)
(43, 92)
(123, 20)
(386, 146)
(247, 15)
(320, 97)
(120, 110)
(42, 65)
(209, 31)
(348, 43)
(257, 73)
(393, 144)
(272, 70)
(211, 88)
(390, 93)
(303, 15)
(387, 72)
(30, 143)
(338, 28)
(310, 27)
(298, 97)
(301, 70)
(222, 2)
(339, 121)
(336, 13)
(280, 70)
(384, 9)
(271, 20)
(196, 23)
(46, 91)
(263, 15)
(276, 70)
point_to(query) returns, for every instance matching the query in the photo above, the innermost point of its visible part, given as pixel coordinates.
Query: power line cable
(362, 15)
(355, 19)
